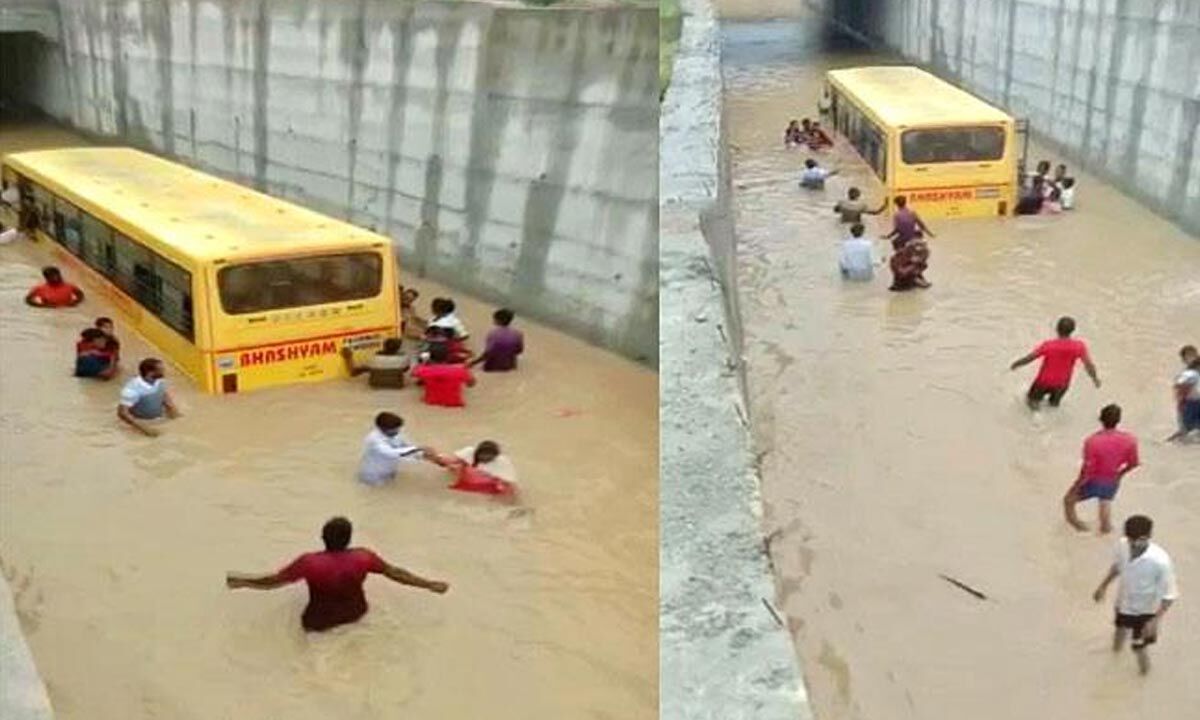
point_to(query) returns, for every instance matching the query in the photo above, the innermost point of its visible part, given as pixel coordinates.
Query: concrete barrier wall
(724, 654)
(510, 152)
(22, 693)
(1113, 84)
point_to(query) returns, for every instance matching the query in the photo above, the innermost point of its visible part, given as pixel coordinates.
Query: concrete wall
(724, 654)
(511, 152)
(22, 693)
(1113, 84)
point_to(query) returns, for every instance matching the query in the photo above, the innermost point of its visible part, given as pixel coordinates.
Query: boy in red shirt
(1108, 456)
(55, 292)
(1058, 364)
(335, 578)
(443, 381)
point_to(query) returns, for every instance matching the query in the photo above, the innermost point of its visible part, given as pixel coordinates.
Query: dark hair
(145, 367)
(857, 229)
(439, 353)
(1187, 350)
(438, 306)
(853, 193)
(336, 533)
(485, 447)
(1043, 166)
(91, 334)
(1110, 416)
(391, 346)
(388, 421)
(806, 121)
(1068, 182)
(50, 272)
(810, 163)
(1065, 326)
(901, 201)
(448, 303)
(503, 316)
(102, 321)
(1138, 526)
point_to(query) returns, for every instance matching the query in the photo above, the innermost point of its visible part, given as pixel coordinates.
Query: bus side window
(174, 296)
(97, 240)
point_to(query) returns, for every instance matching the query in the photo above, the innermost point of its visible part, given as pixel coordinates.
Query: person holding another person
(146, 397)
(852, 208)
(480, 468)
(857, 259)
(1187, 394)
(105, 325)
(55, 292)
(818, 139)
(443, 379)
(906, 224)
(93, 356)
(335, 578)
(1058, 364)
(908, 265)
(386, 368)
(504, 344)
(384, 449)
(793, 136)
(814, 176)
(1108, 456)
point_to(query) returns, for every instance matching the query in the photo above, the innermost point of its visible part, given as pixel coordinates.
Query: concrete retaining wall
(724, 654)
(511, 152)
(1113, 84)
(22, 694)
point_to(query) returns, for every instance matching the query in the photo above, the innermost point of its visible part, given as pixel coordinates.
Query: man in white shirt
(1146, 591)
(857, 260)
(444, 317)
(384, 449)
(145, 397)
(1187, 393)
(814, 176)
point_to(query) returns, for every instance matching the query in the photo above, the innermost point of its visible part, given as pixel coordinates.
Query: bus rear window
(943, 145)
(299, 282)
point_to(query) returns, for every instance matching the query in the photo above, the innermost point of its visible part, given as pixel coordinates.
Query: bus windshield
(943, 145)
(299, 282)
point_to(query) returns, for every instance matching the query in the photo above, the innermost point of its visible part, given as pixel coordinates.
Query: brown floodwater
(116, 545)
(896, 446)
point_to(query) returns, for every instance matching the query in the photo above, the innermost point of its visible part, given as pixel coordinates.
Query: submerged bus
(239, 289)
(948, 152)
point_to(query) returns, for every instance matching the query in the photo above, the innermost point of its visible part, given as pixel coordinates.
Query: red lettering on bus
(298, 351)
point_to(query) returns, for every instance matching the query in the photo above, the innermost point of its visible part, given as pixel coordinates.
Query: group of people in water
(1147, 579)
(441, 365)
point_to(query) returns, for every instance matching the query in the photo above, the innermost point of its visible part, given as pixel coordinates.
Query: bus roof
(193, 213)
(902, 95)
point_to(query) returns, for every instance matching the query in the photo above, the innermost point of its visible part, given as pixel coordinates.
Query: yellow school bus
(239, 289)
(948, 152)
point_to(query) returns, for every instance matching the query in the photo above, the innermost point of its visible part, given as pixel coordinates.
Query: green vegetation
(670, 20)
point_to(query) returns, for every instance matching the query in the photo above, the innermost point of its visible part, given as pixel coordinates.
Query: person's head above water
(853, 193)
(1138, 529)
(389, 423)
(408, 296)
(1188, 353)
(1043, 167)
(1060, 171)
(441, 306)
(105, 325)
(857, 230)
(901, 201)
(52, 275)
(1110, 416)
(503, 317)
(336, 534)
(485, 452)
(806, 123)
(391, 346)
(94, 336)
(439, 354)
(1065, 326)
(810, 163)
(151, 369)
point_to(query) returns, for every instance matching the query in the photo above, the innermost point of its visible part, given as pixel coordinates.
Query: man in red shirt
(443, 381)
(335, 578)
(1108, 456)
(55, 292)
(1058, 364)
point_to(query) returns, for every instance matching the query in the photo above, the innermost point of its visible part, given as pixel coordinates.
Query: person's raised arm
(126, 416)
(882, 206)
(924, 228)
(394, 452)
(1022, 362)
(404, 577)
(271, 581)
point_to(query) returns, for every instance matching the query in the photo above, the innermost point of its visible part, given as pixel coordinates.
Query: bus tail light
(229, 383)
(1002, 208)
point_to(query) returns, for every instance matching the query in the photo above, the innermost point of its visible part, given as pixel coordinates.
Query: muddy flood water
(116, 546)
(896, 446)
